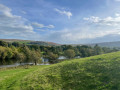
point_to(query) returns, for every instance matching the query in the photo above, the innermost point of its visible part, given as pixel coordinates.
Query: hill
(115, 44)
(44, 43)
(30, 42)
(100, 72)
(107, 44)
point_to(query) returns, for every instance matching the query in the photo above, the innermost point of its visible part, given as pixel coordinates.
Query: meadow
(101, 72)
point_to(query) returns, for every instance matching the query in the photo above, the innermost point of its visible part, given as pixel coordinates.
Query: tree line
(16, 52)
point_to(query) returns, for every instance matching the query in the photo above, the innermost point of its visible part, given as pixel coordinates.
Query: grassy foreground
(100, 72)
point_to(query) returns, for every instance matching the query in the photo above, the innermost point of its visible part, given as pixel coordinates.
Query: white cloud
(92, 19)
(38, 25)
(13, 25)
(50, 26)
(108, 21)
(79, 35)
(67, 13)
(5, 10)
(96, 28)
(42, 25)
(117, 14)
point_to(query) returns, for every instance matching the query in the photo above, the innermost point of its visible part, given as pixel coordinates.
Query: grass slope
(100, 72)
(10, 79)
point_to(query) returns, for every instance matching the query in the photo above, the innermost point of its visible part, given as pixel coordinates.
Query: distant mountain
(107, 44)
(102, 44)
(43, 43)
(30, 42)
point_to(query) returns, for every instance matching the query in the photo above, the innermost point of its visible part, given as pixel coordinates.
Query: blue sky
(63, 21)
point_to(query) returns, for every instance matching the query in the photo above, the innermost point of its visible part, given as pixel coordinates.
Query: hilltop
(99, 72)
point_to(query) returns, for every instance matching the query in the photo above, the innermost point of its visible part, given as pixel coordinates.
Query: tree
(20, 57)
(2, 43)
(77, 53)
(52, 57)
(27, 53)
(35, 56)
(3, 54)
(16, 44)
(69, 53)
(9, 53)
(36, 47)
(84, 52)
(98, 50)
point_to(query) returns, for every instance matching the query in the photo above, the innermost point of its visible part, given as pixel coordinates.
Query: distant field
(100, 72)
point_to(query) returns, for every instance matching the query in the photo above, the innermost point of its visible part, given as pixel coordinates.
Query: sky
(61, 21)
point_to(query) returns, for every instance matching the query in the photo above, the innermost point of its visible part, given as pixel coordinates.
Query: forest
(16, 52)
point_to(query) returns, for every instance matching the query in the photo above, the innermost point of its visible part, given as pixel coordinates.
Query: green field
(100, 72)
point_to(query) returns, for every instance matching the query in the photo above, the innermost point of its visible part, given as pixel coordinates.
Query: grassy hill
(100, 72)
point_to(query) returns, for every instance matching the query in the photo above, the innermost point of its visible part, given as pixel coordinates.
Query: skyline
(65, 22)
